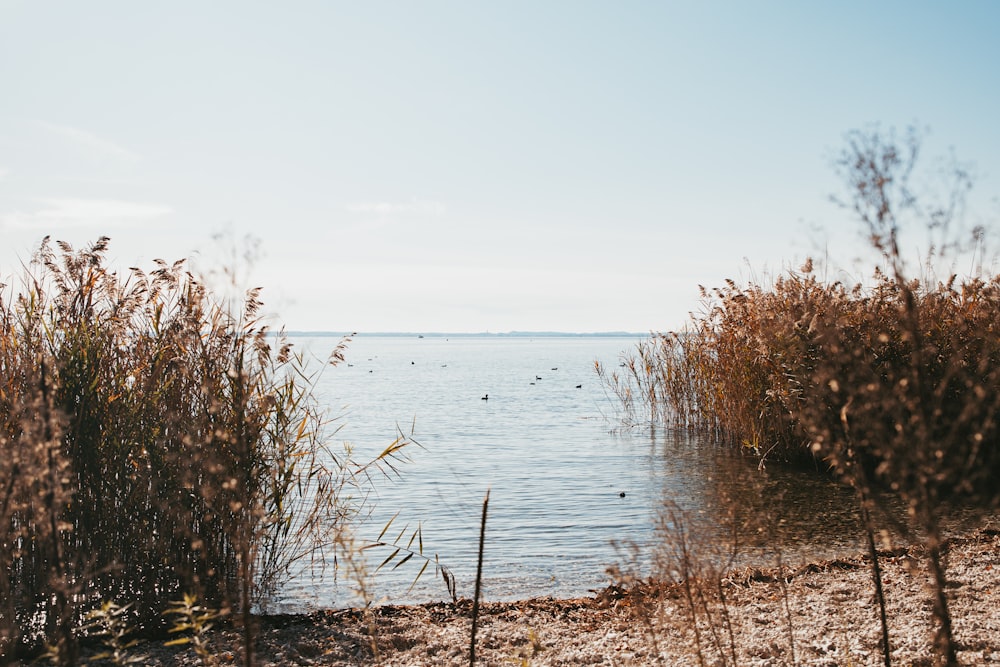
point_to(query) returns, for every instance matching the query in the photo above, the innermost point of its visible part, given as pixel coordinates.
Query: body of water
(528, 419)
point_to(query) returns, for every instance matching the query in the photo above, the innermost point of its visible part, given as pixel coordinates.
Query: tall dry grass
(750, 367)
(155, 443)
(892, 384)
(738, 370)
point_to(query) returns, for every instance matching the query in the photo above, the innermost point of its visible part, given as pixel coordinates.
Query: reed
(768, 367)
(892, 384)
(155, 443)
(741, 367)
(910, 384)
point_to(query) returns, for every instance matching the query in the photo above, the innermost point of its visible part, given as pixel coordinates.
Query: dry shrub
(739, 370)
(681, 590)
(154, 443)
(891, 385)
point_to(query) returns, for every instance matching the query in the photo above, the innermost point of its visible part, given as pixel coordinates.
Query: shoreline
(822, 613)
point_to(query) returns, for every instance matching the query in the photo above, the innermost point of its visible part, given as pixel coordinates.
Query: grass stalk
(156, 440)
(479, 580)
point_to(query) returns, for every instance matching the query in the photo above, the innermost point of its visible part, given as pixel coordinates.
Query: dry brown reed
(893, 384)
(155, 443)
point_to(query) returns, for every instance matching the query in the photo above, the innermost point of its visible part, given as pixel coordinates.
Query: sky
(465, 166)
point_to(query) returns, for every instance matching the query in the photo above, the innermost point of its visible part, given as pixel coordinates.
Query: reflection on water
(567, 489)
(803, 512)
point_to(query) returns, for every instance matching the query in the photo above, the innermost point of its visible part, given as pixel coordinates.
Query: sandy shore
(824, 613)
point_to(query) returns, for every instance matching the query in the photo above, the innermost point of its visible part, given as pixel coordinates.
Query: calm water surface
(547, 447)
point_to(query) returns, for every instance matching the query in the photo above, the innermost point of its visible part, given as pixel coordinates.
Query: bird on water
(485, 398)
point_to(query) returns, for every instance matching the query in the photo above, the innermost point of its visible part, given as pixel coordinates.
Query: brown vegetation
(154, 445)
(891, 385)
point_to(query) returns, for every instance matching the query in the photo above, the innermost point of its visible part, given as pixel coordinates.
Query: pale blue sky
(473, 166)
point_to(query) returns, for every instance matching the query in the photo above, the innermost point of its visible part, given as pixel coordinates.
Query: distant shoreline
(485, 334)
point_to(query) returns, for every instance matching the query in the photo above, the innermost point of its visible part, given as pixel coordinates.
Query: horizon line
(518, 333)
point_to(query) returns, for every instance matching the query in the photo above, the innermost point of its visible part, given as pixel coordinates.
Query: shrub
(153, 444)
(890, 385)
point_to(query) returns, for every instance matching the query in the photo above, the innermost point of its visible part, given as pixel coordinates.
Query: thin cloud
(77, 213)
(390, 208)
(88, 140)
